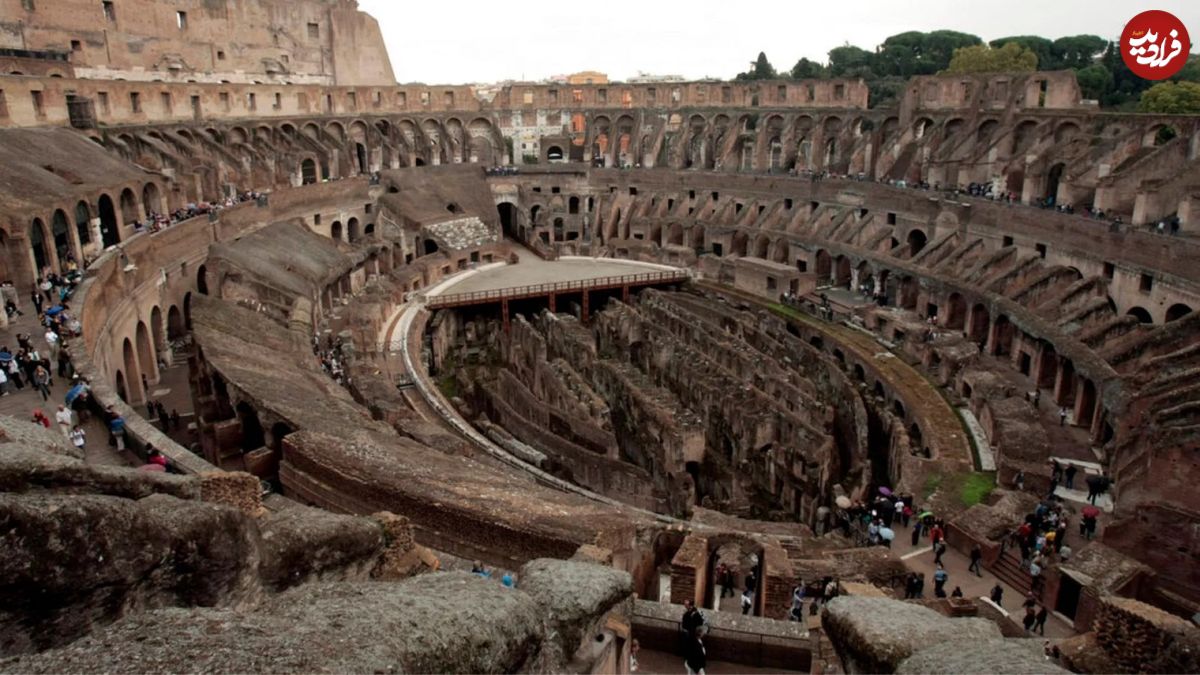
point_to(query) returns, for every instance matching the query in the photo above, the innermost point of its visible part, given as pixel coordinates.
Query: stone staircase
(1008, 569)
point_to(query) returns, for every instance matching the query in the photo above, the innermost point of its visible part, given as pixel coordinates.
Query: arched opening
(83, 222)
(352, 230)
(430, 246)
(129, 212)
(740, 241)
(360, 154)
(187, 311)
(253, 437)
(956, 312)
(122, 392)
(980, 322)
(916, 241)
(761, 246)
(1003, 334)
(202, 280)
(145, 352)
(156, 330)
(308, 172)
(573, 205)
(1177, 311)
(38, 242)
(110, 230)
(175, 329)
(554, 154)
(60, 228)
(131, 370)
(909, 289)
(675, 234)
(151, 199)
(843, 272)
(335, 230)
(1052, 180)
(454, 208)
(1140, 314)
(508, 220)
(533, 215)
(824, 265)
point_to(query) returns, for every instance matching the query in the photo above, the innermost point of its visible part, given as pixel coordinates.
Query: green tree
(846, 58)
(808, 70)
(1077, 51)
(1095, 81)
(1190, 71)
(1011, 58)
(1176, 98)
(1049, 57)
(761, 69)
(917, 53)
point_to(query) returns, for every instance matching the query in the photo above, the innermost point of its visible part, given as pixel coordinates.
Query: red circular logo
(1155, 45)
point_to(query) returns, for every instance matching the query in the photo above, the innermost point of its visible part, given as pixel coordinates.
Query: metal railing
(535, 290)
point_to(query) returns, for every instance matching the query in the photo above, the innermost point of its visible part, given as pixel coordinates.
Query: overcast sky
(490, 40)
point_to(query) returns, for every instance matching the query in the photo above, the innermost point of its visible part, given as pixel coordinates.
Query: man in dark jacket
(694, 659)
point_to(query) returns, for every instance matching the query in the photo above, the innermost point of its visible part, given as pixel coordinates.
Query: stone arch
(146, 353)
(132, 371)
(739, 244)
(83, 222)
(175, 327)
(151, 199)
(119, 385)
(956, 311)
(352, 230)
(1066, 131)
(1023, 135)
(156, 330)
(308, 171)
(253, 435)
(554, 153)
(843, 272)
(1002, 332)
(696, 234)
(824, 265)
(40, 247)
(1140, 314)
(953, 126)
(675, 234)
(916, 240)
(781, 251)
(1177, 311)
(985, 131)
(762, 246)
(60, 229)
(335, 230)
(129, 213)
(202, 280)
(573, 205)
(910, 288)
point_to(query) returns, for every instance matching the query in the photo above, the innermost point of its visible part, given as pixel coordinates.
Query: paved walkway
(21, 403)
(956, 565)
(533, 270)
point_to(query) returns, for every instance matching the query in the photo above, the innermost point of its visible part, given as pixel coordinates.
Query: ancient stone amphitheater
(602, 340)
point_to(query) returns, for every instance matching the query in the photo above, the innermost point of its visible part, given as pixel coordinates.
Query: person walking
(1062, 416)
(1039, 620)
(14, 373)
(1029, 619)
(976, 558)
(116, 426)
(695, 660)
(1069, 474)
(939, 549)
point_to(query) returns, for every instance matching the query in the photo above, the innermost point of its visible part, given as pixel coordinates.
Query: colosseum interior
(673, 356)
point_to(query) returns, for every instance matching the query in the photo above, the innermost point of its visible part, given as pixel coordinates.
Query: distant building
(647, 78)
(587, 77)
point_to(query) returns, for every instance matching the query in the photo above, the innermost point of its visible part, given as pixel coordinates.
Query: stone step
(1103, 502)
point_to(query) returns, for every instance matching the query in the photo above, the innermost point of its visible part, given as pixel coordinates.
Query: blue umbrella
(887, 533)
(5, 357)
(54, 310)
(74, 393)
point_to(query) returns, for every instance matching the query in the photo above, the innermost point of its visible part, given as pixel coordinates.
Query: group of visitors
(331, 358)
(159, 221)
(501, 171)
(167, 421)
(480, 570)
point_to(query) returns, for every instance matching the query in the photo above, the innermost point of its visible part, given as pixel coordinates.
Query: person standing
(997, 594)
(41, 381)
(747, 601)
(64, 419)
(1029, 619)
(1062, 416)
(939, 581)
(1069, 474)
(116, 425)
(52, 340)
(976, 558)
(14, 373)
(78, 437)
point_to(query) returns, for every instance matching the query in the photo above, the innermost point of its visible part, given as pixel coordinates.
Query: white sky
(493, 40)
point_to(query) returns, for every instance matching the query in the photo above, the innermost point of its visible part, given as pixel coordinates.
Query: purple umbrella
(885, 491)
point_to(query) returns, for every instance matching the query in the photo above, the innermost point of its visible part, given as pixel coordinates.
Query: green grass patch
(976, 487)
(448, 384)
(932, 482)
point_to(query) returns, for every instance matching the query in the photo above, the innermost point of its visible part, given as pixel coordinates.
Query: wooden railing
(537, 290)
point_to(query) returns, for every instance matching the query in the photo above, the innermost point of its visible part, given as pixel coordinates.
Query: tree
(1175, 98)
(1049, 57)
(1094, 81)
(808, 70)
(845, 58)
(1011, 58)
(917, 53)
(1190, 71)
(1077, 51)
(761, 69)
